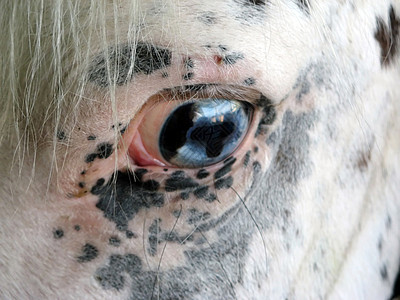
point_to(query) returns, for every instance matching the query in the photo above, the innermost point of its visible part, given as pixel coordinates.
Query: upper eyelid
(212, 91)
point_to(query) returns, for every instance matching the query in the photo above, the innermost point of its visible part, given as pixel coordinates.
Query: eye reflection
(202, 133)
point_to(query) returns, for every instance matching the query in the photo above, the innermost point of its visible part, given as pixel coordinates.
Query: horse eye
(203, 133)
(195, 133)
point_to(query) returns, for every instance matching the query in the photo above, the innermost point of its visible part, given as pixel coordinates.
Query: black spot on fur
(268, 109)
(315, 268)
(196, 216)
(179, 181)
(249, 81)
(246, 158)
(114, 241)
(189, 63)
(61, 135)
(146, 58)
(150, 185)
(124, 195)
(103, 151)
(111, 276)
(304, 5)
(89, 252)
(90, 157)
(380, 243)
(223, 183)
(388, 37)
(77, 227)
(388, 222)
(363, 160)
(232, 58)
(201, 192)
(81, 184)
(288, 157)
(122, 131)
(164, 75)
(58, 233)
(140, 172)
(98, 187)
(203, 173)
(225, 169)
(272, 138)
(173, 236)
(91, 138)
(269, 114)
(188, 76)
(177, 213)
(384, 273)
(129, 234)
(184, 195)
(108, 279)
(305, 87)
(256, 168)
(154, 231)
(249, 12)
(223, 48)
(210, 197)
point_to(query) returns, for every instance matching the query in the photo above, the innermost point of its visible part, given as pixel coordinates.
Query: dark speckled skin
(126, 194)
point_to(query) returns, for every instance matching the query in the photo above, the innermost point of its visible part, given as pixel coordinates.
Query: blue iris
(204, 132)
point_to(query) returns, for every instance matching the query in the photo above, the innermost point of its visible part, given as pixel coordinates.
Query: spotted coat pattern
(305, 204)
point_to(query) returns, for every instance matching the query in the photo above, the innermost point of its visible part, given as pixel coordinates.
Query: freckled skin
(307, 202)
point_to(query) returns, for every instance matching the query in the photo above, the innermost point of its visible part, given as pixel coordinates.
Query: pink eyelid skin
(143, 146)
(139, 154)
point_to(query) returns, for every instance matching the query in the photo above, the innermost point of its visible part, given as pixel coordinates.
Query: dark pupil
(213, 136)
(204, 132)
(173, 134)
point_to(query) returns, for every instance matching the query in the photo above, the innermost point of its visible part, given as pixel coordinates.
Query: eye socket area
(189, 132)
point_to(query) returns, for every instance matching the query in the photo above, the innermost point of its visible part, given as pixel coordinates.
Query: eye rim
(186, 93)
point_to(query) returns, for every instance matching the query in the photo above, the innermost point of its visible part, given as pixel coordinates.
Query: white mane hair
(45, 51)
